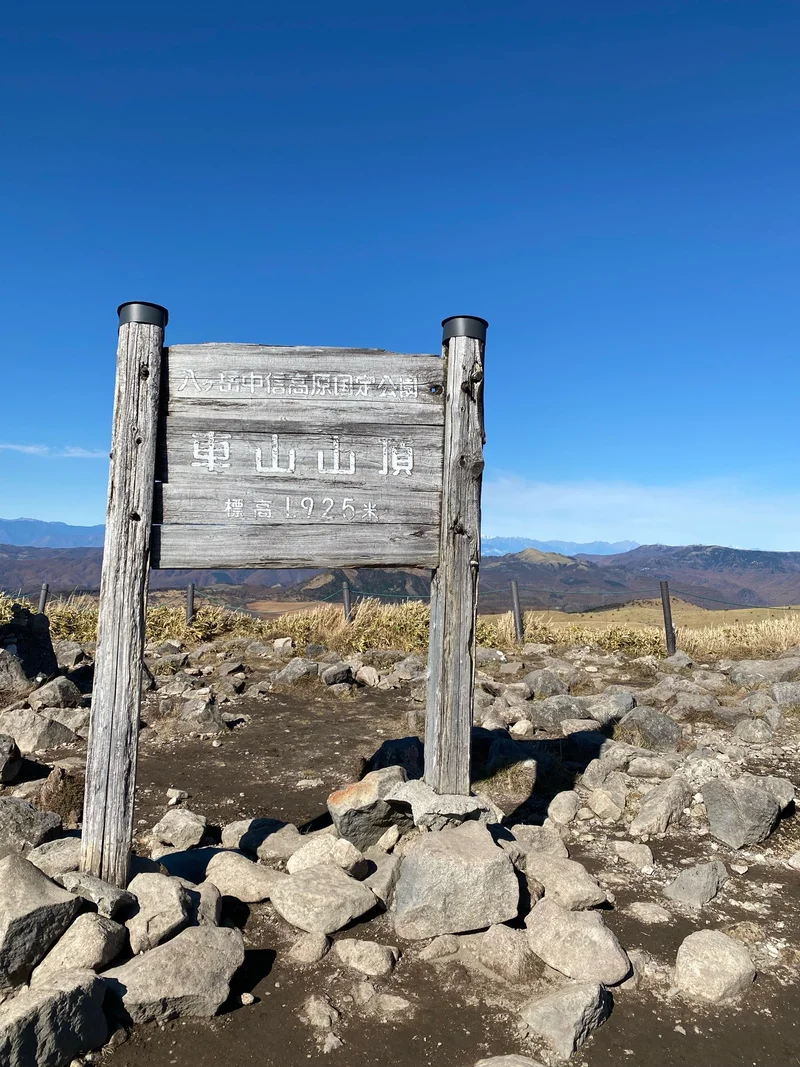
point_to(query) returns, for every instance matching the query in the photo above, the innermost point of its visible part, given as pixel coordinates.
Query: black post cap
(464, 326)
(143, 311)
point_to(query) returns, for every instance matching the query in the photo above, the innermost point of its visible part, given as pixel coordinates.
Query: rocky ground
(623, 886)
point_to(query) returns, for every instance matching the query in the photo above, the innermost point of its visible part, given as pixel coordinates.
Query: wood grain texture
(111, 759)
(247, 545)
(454, 591)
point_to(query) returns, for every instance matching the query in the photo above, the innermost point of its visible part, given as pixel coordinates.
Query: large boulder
(711, 966)
(26, 653)
(739, 812)
(188, 976)
(34, 732)
(360, 811)
(58, 693)
(548, 714)
(52, 1024)
(662, 806)
(34, 913)
(23, 827)
(453, 881)
(321, 900)
(91, 943)
(754, 672)
(565, 1019)
(57, 857)
(610, 707)
(576, 943)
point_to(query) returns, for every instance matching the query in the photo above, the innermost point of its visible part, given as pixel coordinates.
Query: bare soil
(459, 1014)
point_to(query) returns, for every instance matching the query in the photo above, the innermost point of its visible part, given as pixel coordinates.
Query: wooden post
(348, 608)
(669, 629)
(454, 586)
(43, 598)
(189, 603)
(114, 727)
(519, 628)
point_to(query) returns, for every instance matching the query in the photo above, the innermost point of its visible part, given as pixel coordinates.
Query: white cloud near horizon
(46, 452)
(711, 511)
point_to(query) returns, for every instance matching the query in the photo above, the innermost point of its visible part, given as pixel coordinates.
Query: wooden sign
(227, 455)
(298, 457)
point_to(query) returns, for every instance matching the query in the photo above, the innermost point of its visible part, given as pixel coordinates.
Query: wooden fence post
(454, 587)
(519, 627)
(348, 607)
(189, 603)
(43, 598)
(114, 726)
(669, 629)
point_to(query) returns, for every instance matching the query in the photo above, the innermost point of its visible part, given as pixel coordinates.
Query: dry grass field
(636, 629)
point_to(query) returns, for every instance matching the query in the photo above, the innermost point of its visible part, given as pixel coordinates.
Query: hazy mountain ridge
(36, 533)
(503, 546)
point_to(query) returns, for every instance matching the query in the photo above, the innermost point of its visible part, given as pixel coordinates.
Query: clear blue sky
(614, 185)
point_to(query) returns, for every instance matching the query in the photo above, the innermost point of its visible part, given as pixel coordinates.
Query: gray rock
(786, 694)
(202, 714)
(180, 828)
(325, 848)
(435, 811)
(610, 707)
(712, 967)
(250, 834)
(34, 732)
(69, 654)
(366, 957)
(453, 881)
(75, 719)
(697, 885)
(662, 807)
(91, 943)
(296, 669)
(564, 806)
(565, 1019)
(757, 703)
(506, 953)
(34, 913)
(282, 844)
(14, 682)
(337, 674)
(50, 1025)
(780, 788)
(205, 907)
(653, 728)
(538, 839)
(59, 693)
(566, 882)
(22, 827)
(508, 1061)
(188, 976)
(754, 672)
(440, 948)
(548, 714)
(319, 1012)
(309, 948)
(678, 660)
(57, 857)
(753, 731)
(360, 812)
(544, 683)
(10, 759)
(637, 855)
(107, 898)
(237, 876)
(321, 900)
(739, 813)
(650, 767)
(383, 872)
(576, 943)
(608, 801)
(163, 908)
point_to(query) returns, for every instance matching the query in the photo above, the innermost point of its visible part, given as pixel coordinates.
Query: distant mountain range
(34, 533)
(502, 546)
(38, 534)
(711, 576)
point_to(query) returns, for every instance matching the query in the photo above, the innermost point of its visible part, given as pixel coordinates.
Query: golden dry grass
(405, 626)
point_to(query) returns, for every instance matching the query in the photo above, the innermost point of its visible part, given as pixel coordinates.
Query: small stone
(309, 948)
(282, 645)
(319, 1012)
(637, 855)
(247, 999)
(366, 957)
(367, 676)
(753, 732)
(649, 914)
(442, 947)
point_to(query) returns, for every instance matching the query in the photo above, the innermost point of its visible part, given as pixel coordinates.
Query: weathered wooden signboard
(230, 455)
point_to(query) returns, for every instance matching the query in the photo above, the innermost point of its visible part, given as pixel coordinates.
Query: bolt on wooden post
(454, 587)
(669, 629)
(116, 698)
